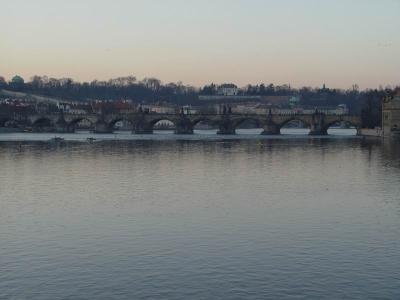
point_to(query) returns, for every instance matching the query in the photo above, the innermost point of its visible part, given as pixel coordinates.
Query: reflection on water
(288, 218)
(169, 134)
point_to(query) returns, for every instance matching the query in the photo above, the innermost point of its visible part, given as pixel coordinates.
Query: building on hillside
(79, 109)
(277, 101)
(189, 110)
(250, 108)
(228, 89)
(224, 99)
(391, 115)
(17, 80)
(294, 101)
(158, 109)
(74, 109)
(265, 108)
(124, 107)
(339, 110)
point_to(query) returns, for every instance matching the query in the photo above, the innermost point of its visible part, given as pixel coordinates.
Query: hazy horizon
(301, 43)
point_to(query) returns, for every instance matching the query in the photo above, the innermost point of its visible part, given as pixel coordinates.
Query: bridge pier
(63, 129)
(61, 126)
(142, 127)
(183, 126)
(318, 132)
(102, 127)
(179, 130)
(70, 129)
(318, 129)
(318, 125)
(142, 131)
(271, 129)
(43, 129)
(226, 127)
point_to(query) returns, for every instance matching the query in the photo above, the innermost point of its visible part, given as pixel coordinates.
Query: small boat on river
(56, 140)
(90, 140)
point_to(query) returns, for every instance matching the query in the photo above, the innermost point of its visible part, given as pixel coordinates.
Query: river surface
(169, 135)
(199, 217)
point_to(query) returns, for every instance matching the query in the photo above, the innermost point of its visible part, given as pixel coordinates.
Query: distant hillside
(32, 97)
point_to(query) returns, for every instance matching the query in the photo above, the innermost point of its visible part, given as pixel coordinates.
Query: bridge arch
(43, 124)
(349, 123)
(204, 123)
(151, 125)
(126, 120)
(11, 124)
(287, 121)
(143, 125)
(42, 120)
(157, 120)
(248, 125)
(259, 123)
(5, 121)
(282, 125)
(72, 124)
(203, 119)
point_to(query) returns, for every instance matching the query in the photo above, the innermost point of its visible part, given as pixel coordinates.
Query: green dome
(17, 79)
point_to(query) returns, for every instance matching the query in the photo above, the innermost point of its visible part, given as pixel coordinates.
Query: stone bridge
(143, 123)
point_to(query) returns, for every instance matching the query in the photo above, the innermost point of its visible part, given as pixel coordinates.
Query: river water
(199, 217)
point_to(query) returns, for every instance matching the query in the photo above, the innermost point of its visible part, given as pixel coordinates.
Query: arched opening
(294, 127)
(43, 125)
(343, 128)
(121, 125)
(163, 126)
(3, 122)
(8, 125)
(248, 126)
(81, 125)
(205, 126)
(11, 124)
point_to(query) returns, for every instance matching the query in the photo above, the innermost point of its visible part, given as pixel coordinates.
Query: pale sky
(297, 42)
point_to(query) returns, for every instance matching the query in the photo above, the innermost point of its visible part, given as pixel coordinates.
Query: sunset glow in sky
(301, 42)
